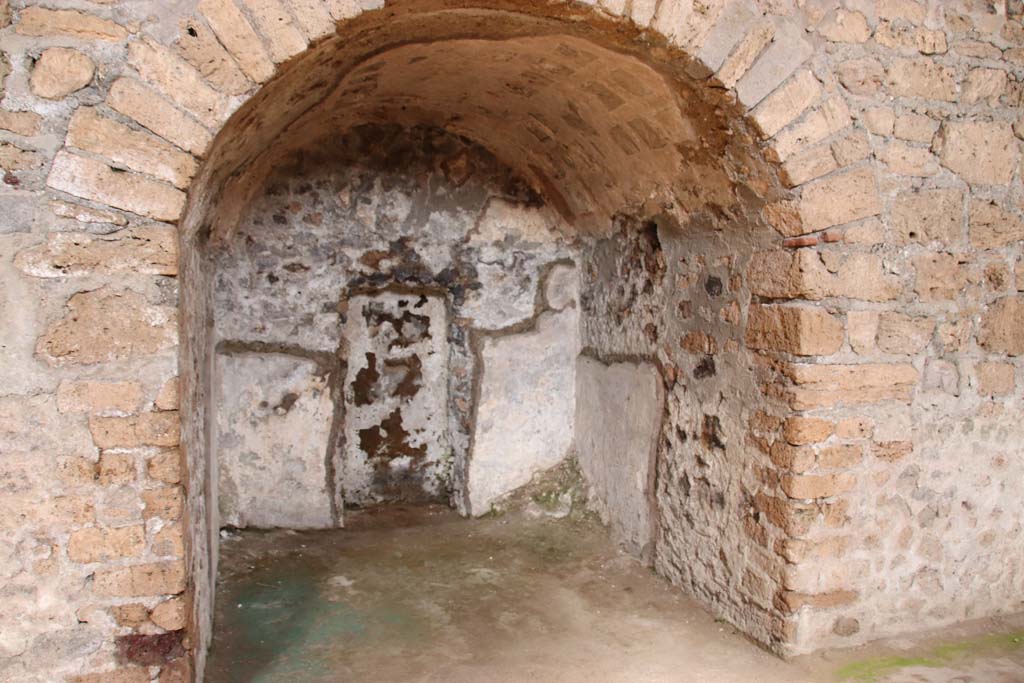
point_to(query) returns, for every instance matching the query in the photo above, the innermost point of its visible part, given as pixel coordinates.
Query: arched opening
(446, 250)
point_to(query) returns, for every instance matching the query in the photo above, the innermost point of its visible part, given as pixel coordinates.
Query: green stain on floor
(941, 656)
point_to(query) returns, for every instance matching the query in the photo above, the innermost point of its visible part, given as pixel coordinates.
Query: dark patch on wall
(404, 376)
(409, 328)
(711, 432)
(150, 650)
(363, 389)
(705, 368)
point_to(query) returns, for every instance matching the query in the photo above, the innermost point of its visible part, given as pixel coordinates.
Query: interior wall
(376, 300)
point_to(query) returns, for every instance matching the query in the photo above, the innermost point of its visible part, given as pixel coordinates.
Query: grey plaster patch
(618, 421)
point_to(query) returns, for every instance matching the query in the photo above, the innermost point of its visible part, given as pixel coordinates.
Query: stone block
(178, 81)
(862, 76)
(150, 250)
(61, 71)
(103, 545)
(146, 106)
(800, 330)
(940, 277)
(107, 324)
(788, 102)
(993, 227)
(903, 159)
(928, 215)
(922, 78)
(996, 379)
(984, 84)
(272, 441)
(115, 469)
(842, 26)
(824, 121)
(618, 423)
(170, 615)
(801, 431)
(165, 467)
(141, 580)
(98, 398)
(775, 64)
(980, 152)
(313, 18)
(134, 431)
(824, 386)
(238, 36)
(904, 334)
(838, 199)
(275, 23)
(199, 46)
(164, 504)
(94, 180)
(26, 123)
(814, 486)
(138, 151)
(1002, 326)
(915, 127)
(43, 22)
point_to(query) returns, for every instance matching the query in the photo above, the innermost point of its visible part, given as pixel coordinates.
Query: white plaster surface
(273, 428)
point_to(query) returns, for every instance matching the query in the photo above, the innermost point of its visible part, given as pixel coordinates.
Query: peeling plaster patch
(396, 398)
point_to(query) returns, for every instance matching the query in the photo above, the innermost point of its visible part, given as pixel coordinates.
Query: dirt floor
(419, 594)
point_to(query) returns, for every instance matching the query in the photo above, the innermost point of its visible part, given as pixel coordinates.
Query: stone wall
(877, 472)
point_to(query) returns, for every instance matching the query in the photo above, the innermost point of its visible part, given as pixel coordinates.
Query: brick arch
(202, 121)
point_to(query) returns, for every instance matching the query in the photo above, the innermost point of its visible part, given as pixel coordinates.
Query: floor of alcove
(419, 594)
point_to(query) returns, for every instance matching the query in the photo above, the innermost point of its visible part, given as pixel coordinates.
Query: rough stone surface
(60, 72)
(619, 410)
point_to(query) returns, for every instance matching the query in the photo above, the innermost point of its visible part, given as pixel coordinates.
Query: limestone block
(922, 78)
(238, 36)
(179, 81)
(743, 56)
(102, 545)
(788, 102)
(829, 118)
(980, 152)
(164, 504)
(940, 277)
(984, 84)
(170, 614)
(61, 71)
(839, 199)
(147, 429)
(801, 330)
(94, 180)
(903, 334)
(161, 578)
(992, 226)
(778, 61)
(928, 215)
(915, 127)
(151, 110)
(903, 159)
(313, 17)
(801, 431)
(139, 151)
(271, 442)
(108, 324)
(275, 23)
(38, 21)
(98, 397)
(200, 48)
(821, 386)
(843, 26)
(151, 250)
(25, 123)
(996, 379)
(86, 214)
(618, 424)
(1002, 326)
(862, 76)
(527, 404)
(165, 467)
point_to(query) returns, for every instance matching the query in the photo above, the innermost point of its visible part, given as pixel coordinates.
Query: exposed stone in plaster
(619, 411)
(273, 429)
